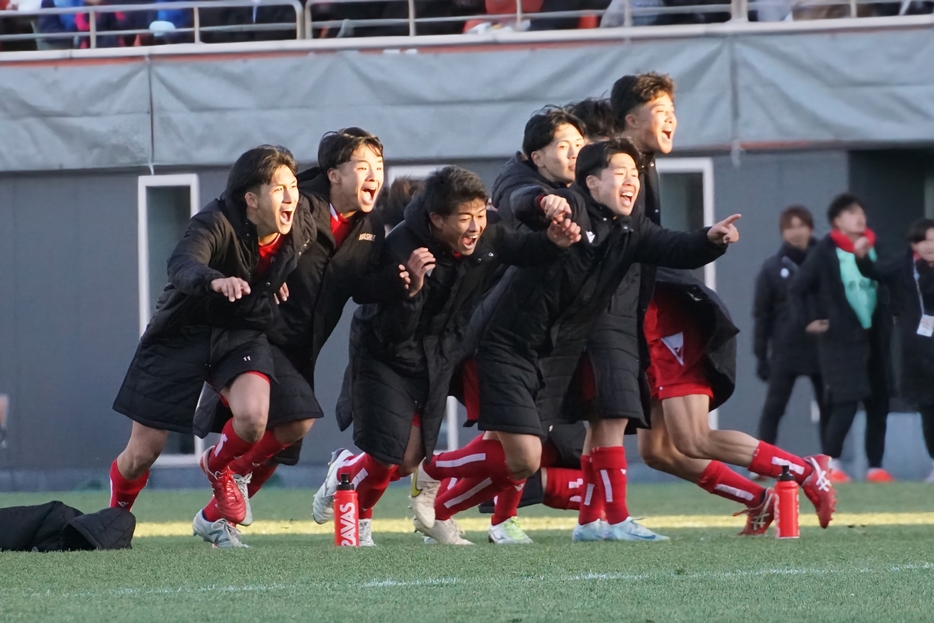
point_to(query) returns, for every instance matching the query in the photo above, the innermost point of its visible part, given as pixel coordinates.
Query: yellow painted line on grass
(480, 524)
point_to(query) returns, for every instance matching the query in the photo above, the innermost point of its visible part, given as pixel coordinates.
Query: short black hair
(918, 230)
(541, 127)
(336, 148)
(594, 158)
(254, 168)
(795, 212)
(394, 198)
(630, 92)
(448, 188)
(841, 203)
(599, 121)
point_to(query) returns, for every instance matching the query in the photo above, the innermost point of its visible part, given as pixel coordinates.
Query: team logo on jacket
(675, 344)
(591, 236)
(367, 237)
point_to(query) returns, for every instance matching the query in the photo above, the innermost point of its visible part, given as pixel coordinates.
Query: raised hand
(233, 288)
(861, 247)
(725, 232)
(420, 263)
(554, 206)
(564, 232)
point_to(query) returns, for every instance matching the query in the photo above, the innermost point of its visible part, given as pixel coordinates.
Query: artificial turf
(846, 573)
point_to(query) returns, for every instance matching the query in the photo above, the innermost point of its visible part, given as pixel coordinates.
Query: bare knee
(524, 464)
(692, 446)
(293, 431)
(250, 417)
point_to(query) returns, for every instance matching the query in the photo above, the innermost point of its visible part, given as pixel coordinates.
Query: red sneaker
(877, 475)
(838, 476)
(230, 502)
(760, 517)
(818, 488)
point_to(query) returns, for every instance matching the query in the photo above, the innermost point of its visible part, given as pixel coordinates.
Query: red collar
(845, 244)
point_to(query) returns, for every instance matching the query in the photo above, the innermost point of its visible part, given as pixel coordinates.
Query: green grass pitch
(847, 573)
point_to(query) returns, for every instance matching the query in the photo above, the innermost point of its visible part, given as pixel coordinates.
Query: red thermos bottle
(786, 515)
(346, 514)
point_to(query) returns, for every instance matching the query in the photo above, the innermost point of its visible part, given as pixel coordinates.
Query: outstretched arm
(663, 247)
(189, 267)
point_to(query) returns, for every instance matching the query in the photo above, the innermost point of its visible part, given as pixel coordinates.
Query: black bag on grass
(56, 527)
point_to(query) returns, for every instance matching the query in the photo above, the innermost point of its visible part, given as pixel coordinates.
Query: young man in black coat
(225, 280)
(534, 340)
(848, 312)
(404, 353)
(909, 278)
(784, 350)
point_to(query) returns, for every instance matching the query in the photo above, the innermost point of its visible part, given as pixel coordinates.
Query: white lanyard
(917, 277)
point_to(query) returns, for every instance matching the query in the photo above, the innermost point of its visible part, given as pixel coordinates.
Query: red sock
(261, 473)
(467, 493)
(369, 478)
(262, 451)
(478, 459)
(230, 447)
(768, 461)
(506, 503)
(609, 466)
(720, 480)
(123, 492)
(210, 511)
(366, 513)
(563, 488)
(591, 508)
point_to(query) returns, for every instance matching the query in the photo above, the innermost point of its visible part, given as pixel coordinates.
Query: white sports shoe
(445, 532)
(629, 530)
(322, 509)
(508, 533)
(221, 533)
(242, 482)
(422, 498)
(366, 533)
(593, 531)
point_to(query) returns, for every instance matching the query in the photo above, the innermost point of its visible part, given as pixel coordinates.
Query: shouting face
(652, 125)
(461, 230)
(557, 160)
(356, 183)
(271, 207)
(617, 186)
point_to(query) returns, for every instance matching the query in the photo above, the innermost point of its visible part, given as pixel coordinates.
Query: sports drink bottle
(346, 514)
(786, 516)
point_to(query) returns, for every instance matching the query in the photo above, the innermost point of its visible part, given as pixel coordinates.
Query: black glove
(763, 369)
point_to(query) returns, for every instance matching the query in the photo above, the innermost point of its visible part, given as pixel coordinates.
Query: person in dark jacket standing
(848, 312)
(784, 350)
(540, 327)
(225, 278)
(910, 281)
(403, 354)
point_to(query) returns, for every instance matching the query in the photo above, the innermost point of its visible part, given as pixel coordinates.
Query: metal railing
(305, 26)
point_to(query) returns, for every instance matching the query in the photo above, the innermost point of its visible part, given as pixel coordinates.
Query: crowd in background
(345, 18)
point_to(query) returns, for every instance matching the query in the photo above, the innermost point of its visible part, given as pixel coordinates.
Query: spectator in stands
(62, 23)
(783, 349)
(910, 280)
(849, 313)
(569, 23)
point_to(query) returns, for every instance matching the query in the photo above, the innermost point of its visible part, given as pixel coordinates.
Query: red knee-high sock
(369, 478)
(123, 492)
(506, 503)
(478, 459)
(262, 451)
(467, 493)
(230, 447)
(261, 473)
(720, 480)
(768, 461)
(609, 466)
(591, 508)
(563, 487)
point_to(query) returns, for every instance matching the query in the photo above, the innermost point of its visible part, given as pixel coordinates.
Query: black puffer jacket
(423, 335)
(220, 242)
(853, 361)
(780, 338)
(546, 316)
(56, 527)
(517, 188)
(916, 381)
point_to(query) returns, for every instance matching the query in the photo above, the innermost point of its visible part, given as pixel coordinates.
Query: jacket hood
(314, 181)
(417, 221)
(236, 215)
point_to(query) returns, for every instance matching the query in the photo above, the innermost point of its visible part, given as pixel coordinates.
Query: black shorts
(385, 403)
(164, 381)
(510, 385)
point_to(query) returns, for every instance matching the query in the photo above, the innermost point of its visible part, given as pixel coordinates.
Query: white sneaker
(593, 531)
(508, 533)
(366, 533)
(323, 507)
(242, 482)
(629, 530)
(422, 498)
(221, 533)
(445, 532)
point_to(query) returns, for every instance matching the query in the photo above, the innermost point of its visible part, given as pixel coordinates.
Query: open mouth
(369, 195)
(628, 195)
(667, 134)
(285, 217)
(470, 241)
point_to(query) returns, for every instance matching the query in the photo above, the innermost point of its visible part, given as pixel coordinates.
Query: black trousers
(780, 386)
(836, 425)
(927, 426)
